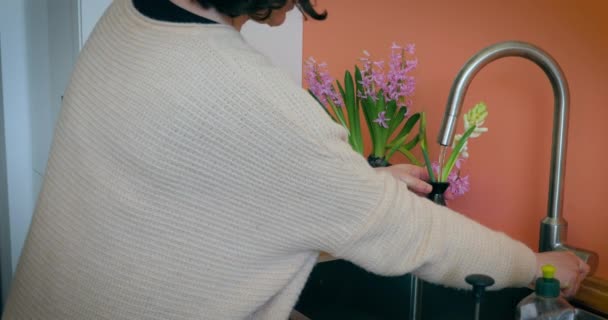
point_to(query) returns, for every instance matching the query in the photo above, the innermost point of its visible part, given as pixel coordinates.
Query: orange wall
(509, 166)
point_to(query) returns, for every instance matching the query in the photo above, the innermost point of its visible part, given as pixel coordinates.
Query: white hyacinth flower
(476, 116)
(464, 151)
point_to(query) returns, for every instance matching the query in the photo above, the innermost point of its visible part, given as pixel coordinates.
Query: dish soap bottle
(545, 303)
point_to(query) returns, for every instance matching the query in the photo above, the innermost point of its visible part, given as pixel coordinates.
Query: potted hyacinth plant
(381, 92)
(446, 175)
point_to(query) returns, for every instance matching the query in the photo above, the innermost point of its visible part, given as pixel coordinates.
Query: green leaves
(425, 149)
(383, 145)
(389, 127)
(400, 139)
(445, 172)
(349, 95)
(322, 106)
(396, 116)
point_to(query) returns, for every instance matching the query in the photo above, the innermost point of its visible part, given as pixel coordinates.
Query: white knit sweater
(191, 179)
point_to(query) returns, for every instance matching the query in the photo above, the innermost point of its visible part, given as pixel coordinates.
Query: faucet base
(553, 236)
(552, 233)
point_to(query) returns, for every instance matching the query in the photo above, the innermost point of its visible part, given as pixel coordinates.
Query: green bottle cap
(547, 286)
(548, 271)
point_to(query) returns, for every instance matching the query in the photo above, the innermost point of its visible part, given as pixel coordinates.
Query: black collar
(165, 10)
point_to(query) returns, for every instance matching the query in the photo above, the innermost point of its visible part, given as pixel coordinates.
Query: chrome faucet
(553, 227)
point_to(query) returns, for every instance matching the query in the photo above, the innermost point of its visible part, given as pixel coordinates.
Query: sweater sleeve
(342, 206)
(405, 233)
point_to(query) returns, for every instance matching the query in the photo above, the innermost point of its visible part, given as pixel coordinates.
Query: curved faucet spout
(553, 227)
(560, 119)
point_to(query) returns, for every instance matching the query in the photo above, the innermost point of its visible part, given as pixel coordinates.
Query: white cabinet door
(89, 13)
(283, 45)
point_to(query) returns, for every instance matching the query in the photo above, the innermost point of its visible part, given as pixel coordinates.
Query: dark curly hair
(259, 9)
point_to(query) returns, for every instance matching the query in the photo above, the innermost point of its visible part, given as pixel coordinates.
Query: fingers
(416, 185)
(416, 171)
(413, 176)
(448, 195)
(572, 288)
(585, 269)
(577, 284)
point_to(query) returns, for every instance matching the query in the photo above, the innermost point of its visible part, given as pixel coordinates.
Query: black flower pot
(377, 162)
(437, 195)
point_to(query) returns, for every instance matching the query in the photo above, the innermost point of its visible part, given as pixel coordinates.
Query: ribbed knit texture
(191, 179)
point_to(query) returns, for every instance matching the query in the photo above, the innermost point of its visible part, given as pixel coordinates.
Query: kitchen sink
(340, 290)
(584, 315)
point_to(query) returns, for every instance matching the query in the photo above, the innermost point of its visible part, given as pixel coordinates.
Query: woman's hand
(571, 270)
(415, 177)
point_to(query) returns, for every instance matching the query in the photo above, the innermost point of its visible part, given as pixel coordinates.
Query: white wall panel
(282, 44)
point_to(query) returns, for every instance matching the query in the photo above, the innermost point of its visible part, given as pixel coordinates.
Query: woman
(191, 179)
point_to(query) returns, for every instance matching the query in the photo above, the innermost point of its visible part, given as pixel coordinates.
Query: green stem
(366, 104)
(428, 164)
(322, 106)
(382, 132)
(410, 156)
(339, 114)
(423, 147)
(445, 172)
